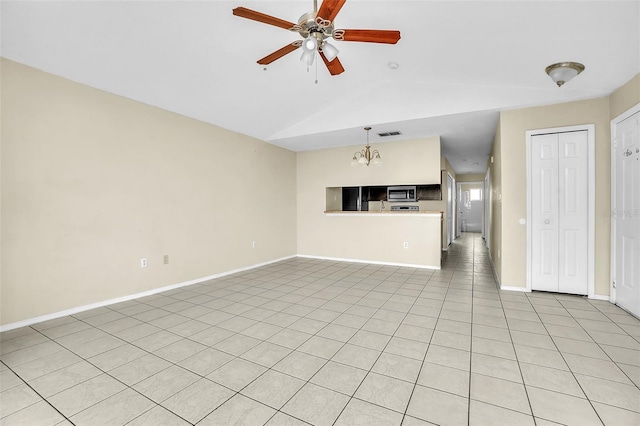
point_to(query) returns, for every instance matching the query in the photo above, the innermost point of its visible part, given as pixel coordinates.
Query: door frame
(459, 201)
(453, 206)
(487, 210)
(457, 212)
(612, 265)
(591, 170)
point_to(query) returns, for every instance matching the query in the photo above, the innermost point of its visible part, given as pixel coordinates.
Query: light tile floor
(328, 343)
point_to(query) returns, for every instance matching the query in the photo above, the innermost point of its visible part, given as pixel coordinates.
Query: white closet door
(573, 196)
(626, 214)
(544, 212)
(559, 212)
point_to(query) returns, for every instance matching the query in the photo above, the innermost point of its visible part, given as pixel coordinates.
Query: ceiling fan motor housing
(309, 25)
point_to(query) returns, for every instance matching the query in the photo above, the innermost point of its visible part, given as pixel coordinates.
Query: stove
(405, 208)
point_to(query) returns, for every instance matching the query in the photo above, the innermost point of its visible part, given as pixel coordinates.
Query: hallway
(307, 341)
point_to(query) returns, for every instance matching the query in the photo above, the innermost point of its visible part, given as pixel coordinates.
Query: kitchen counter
(383, 213)
(403, 238)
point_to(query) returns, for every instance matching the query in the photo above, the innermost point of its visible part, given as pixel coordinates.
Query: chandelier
(365, 156)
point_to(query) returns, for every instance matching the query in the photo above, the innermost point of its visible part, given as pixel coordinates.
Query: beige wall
(430, 205)
(404, 162)
(513, 127)
(93, 182)
(474, 177)
(510, 161)
(378, 238)
(625, 97)
(469, 186)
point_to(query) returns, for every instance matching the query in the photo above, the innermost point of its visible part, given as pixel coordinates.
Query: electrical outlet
(143, 262)
(166, 259)
(405, 244)
(253, 244)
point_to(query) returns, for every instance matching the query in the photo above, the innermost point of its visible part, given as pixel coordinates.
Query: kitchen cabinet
(357, 198)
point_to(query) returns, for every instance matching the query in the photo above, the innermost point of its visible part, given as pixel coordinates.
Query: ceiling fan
(315, 28)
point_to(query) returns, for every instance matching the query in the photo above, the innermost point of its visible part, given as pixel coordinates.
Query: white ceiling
(459, 64)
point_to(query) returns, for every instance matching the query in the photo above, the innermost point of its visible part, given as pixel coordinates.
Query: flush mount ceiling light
(366, 156)
(562, 72)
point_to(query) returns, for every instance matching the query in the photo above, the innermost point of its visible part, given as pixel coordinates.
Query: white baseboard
(514, 288)
(601, 297)
(373, 262)
(79, 309)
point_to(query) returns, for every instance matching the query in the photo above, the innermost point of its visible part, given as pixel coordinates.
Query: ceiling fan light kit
(562, 72)
(315, 28)
(309, 46)
(329, 50)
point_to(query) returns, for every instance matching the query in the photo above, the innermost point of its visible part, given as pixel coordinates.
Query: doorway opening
(471, 207)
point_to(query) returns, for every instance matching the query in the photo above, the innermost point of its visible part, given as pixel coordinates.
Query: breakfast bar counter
(403, 238)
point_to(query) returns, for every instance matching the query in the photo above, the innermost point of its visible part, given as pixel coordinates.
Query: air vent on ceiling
(385, 134)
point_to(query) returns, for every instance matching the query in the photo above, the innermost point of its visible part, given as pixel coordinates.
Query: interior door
(450, 208)
(559, 212)
(626, 214)
(544, 212)
(458, 211)
(486, 229)
(573, 194)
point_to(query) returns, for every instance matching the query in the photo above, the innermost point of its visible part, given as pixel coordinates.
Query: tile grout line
(313, 335)
(113, 377)
(473, 263)
(330, 359)
(278, 410)
(565, 361)
(105, 372)
(37, 393)
(515, 353)
(382, 352)
(404, 415)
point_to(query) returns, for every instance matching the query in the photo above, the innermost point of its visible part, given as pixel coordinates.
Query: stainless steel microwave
(401, 193)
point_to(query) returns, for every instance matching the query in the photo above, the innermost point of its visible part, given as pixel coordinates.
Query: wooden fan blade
(369, 36)
(279, 53)
(329, 9)
(243, 12)
(334, 67)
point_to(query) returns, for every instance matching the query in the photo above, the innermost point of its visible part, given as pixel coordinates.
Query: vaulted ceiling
(458, 64)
